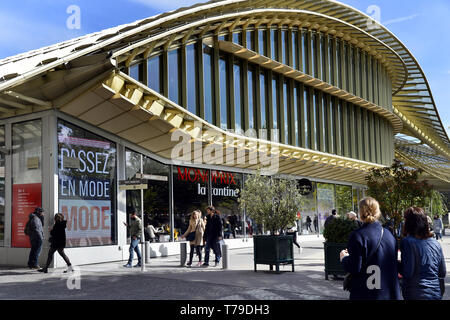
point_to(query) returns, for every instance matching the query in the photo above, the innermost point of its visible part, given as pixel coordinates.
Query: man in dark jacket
(212, 235)
(330, 218)
(36, 234)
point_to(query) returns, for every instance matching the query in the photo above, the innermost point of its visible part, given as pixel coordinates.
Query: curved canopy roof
(72, 60)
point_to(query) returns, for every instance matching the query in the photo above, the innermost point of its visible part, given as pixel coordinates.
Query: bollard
(183, 253)
(147, 252)
(225, 256)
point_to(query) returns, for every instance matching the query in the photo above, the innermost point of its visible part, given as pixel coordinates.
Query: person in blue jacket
(376, 279)
(422, 259)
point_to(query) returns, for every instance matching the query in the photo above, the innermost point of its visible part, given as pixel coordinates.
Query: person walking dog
(57, 242)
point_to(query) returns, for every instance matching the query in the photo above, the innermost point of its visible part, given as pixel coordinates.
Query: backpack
(27, 229)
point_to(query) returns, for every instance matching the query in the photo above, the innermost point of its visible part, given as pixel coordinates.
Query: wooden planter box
(332, 260)
(274, 251)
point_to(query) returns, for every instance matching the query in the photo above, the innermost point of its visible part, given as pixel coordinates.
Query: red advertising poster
(26, 197)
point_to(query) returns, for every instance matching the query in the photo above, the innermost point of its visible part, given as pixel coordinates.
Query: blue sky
(421, 25)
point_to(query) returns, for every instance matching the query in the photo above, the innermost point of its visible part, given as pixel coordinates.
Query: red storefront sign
(26, 197)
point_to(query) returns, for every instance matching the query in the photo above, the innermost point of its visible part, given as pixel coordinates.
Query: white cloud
(166, 5)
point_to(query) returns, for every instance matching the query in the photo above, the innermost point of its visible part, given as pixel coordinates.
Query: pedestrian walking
(292, 231)
(34, 229)
(308, 224)
(371, 246)
(353, 217)
(422, 264)
(316, 224)
(196, 225)
(330, 218)
(437, 227)
(135, 234)
(212, 236)
(57, 243)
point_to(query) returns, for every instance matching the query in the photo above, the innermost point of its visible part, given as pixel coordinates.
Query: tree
(397, 188)
(436, 204)
(271, 202)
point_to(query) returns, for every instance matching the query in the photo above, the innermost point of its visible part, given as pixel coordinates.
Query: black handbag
(347, 285)
(191, 236)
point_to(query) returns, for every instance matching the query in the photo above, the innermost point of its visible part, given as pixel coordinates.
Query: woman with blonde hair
(371, 257)
(197, 225)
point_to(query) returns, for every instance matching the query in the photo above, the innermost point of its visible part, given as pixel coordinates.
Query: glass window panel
(136, 72)
(307, 111)
(309, 209)
(87, 194)
(315, 113)
(275, 99)
(224, 92)
(284, 47)
(237, 97)
(262, 42)
(339, 64)
(313, 54)
(274, 44)
(286, 112)
(263, 107)
(344, 200)
(26, 177)
(2, 187)
(305, 52)
(237, 38)
(251, 100)
(207, 83)
(325, 201)
(295, 62)
(226, 188)
(174, 80)
(190, 192)
(331, 54)
(191, 77)
(154, 73)
(250, 40)
(296, 107)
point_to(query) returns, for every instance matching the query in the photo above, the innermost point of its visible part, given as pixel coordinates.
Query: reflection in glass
(309, 209)
(274, 44)
(286, 113)
(251, 100)
(191, 78)
(26, 177)
(250, 40)
(224, 92)
(307, 112)
(262, 42)
(344, 200)
(174, 87)
(2, 187)
(226, 188)
(190, 190)
(284, 47)
(154, 73)
(207, 83)
(275, 100)
(305, 52)
(237, 38)
(136, 72)
(296, 107)
(237, 97)
(87, 193)
(325, 201)
(295, 62)
(263, 95)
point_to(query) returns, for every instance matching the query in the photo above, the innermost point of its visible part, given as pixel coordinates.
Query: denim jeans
(215, 245)
(36, 248)
(134, 246)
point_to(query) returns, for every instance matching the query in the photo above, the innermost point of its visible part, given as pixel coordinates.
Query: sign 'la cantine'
(200, 176)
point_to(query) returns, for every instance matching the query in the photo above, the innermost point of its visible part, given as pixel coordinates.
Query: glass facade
(156, 196)
(2, 187)
(87, 186)
(234, 93)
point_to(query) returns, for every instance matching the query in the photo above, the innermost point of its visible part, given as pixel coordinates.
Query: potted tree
(273, 203)
(336, 234)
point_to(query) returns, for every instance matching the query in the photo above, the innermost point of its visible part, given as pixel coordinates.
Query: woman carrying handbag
(194, 234)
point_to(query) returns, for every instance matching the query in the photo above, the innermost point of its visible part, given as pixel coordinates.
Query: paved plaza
(164, 279)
